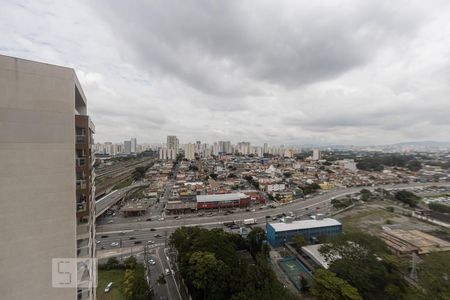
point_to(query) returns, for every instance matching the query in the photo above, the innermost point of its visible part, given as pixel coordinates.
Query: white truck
(249, 221)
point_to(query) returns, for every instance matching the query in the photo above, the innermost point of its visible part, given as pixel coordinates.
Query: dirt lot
(370, 217)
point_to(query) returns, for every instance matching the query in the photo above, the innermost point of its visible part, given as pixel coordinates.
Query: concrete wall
(37, 177)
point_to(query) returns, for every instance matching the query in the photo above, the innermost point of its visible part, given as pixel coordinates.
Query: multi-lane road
(299, 207)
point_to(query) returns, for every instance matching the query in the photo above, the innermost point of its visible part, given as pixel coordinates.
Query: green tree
(207, 274)
(372, 271)
(300, 241)
(128, 284)
(130, 262)
(407, 197)
(256, 237)
(139, 172)
(327, 286)
(414, 165)
(112, 263)
(365, 195)
(439, 207)
(434, 275)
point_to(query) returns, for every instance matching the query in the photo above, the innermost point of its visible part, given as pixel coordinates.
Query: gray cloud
(286, 72)
(221, 47)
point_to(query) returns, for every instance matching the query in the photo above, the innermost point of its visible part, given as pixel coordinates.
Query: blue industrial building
(280, 233)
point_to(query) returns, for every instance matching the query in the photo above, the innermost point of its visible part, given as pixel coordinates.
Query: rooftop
(313, 252)
(304, 224)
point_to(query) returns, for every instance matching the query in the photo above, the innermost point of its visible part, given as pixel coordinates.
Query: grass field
(367, 220)
(106, 276)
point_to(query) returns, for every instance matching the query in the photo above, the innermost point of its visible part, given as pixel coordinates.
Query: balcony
(82, 207)
(81, 184)
(80, 161)
(80, 139)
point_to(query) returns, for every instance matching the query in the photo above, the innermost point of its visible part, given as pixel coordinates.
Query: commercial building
(222, 201)
(284, 232)
(46, 179)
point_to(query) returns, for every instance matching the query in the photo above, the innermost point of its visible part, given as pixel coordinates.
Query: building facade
(280, 233)
(222, 201)
(46, 179)
(173, 143)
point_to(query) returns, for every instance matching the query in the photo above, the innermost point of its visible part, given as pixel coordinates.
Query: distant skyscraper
(316, 154)
(173, 143)
(265, 148)
(189, 151)
(133, 145)
(127, 147)
(244, 148)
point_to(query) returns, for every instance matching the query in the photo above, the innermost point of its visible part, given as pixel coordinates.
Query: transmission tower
(413, 273)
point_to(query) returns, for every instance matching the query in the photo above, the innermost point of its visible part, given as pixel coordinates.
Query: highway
(298, 207)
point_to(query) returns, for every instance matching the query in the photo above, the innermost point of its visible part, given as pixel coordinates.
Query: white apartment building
(316, 154)
(189, 151)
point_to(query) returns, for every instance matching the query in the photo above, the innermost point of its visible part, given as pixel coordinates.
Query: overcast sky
(292, 72)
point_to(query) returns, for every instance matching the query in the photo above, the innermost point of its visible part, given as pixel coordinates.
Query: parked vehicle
(108, 287)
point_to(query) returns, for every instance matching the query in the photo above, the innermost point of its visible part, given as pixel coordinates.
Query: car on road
(104, 236)
(121, 233)
(161, 219)
(158, 235)
(166, 272)
(152, 229)
(108, 287)
(148, 219)
(137, 242)
(132, 238)
(114, 244)
(152, 262)
(150, 242)
(268, 217)
(97, 242)
(110, 221)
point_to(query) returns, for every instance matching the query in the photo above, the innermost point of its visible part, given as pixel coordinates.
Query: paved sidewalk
(124, 251)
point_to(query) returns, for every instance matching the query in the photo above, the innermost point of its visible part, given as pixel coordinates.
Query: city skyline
(368, 73)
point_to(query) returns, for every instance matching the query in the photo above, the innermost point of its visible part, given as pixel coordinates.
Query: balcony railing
(80, 139)
(81, 184)
(80, 161)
